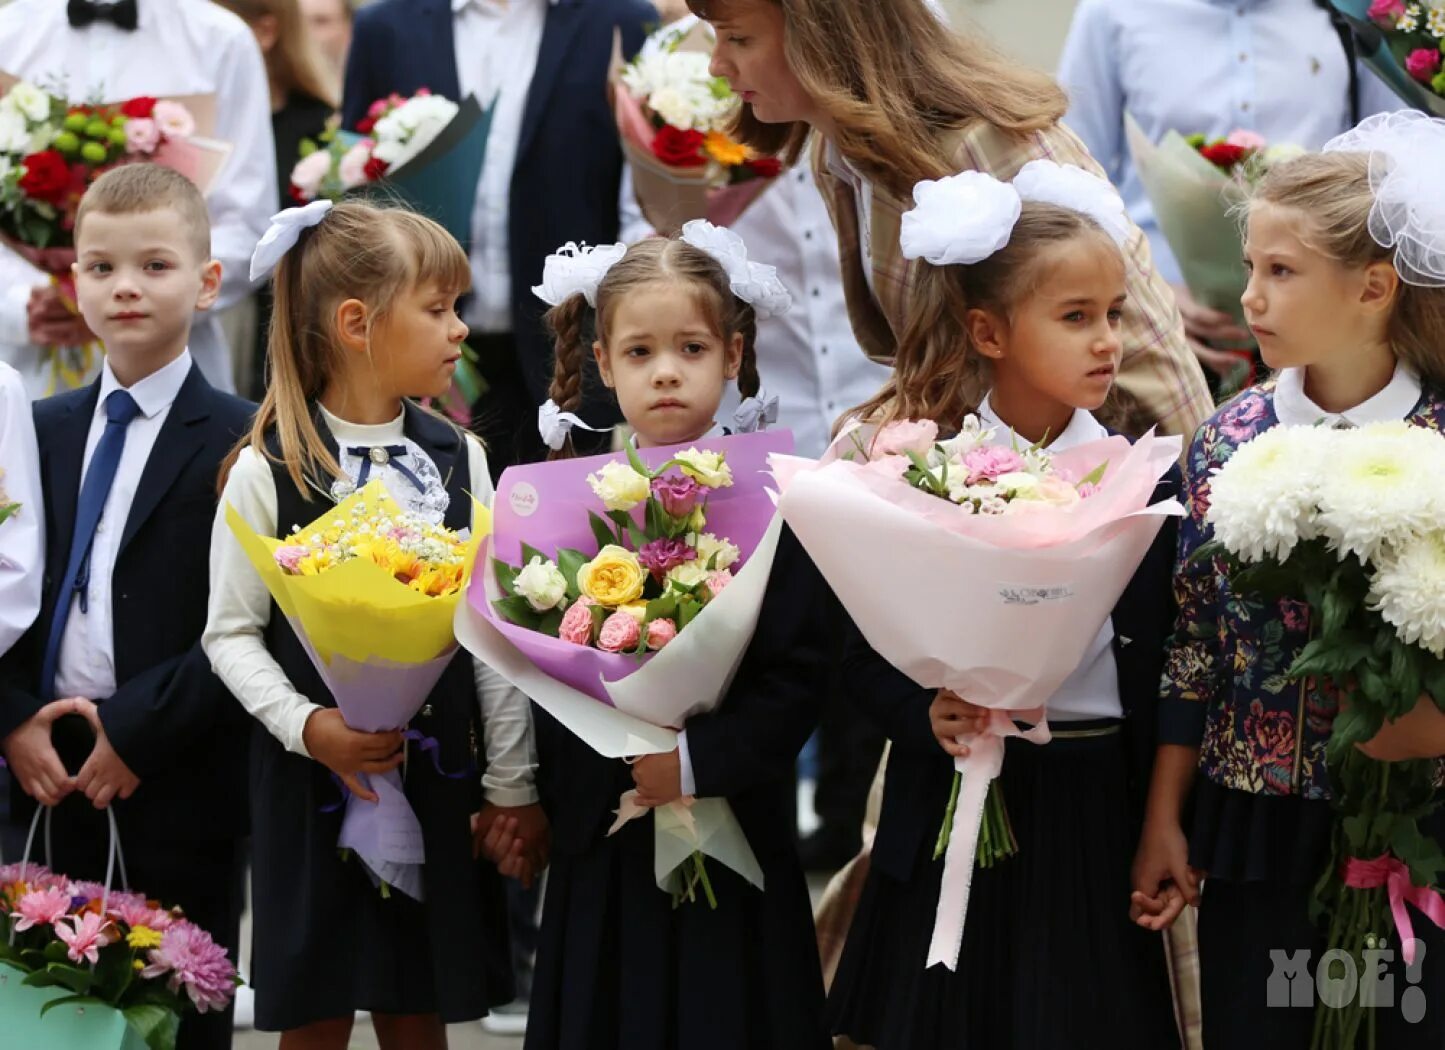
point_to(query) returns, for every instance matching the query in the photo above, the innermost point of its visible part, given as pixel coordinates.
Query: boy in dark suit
(108, 701)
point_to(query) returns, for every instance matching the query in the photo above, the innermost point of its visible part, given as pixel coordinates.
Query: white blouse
(240, 604)
(1092, 689)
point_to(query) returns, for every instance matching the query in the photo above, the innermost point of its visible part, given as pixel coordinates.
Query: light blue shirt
(1275, 67)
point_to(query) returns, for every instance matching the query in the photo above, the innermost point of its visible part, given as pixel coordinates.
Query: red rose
(375, 168)
(365, 124)
(1223, 155)
(681, 149)
(766, 167)
(141, 107)
(46, 178)
(294, 192)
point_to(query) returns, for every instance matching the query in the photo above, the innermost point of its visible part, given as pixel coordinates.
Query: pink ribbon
(982, 764)
(1391, 872)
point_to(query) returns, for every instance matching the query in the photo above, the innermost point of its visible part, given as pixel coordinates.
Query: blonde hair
(133, 189)
(892, 79)
(1331, 192)
(292, 65)
(937, 373)
(655, 259)
(358, 251)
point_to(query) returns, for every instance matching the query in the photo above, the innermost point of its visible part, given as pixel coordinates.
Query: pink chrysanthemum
(42, 907)
(84, 936)
(189, 956)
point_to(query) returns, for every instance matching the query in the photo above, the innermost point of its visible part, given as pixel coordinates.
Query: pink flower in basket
(84, 936)
(191, 958)
(42, 907)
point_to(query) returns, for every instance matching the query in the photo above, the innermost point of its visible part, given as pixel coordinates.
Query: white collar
(153, 394)
(343, 430)
(1396, 401)
(1082, 428)
(495, 7)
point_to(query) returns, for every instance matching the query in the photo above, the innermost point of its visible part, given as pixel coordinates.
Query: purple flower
(659, 556)
(678, 495)
(191, 958)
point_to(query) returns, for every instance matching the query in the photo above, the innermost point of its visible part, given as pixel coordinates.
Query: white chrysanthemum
(1262, 501)
(1408, 590)
(1383, 485)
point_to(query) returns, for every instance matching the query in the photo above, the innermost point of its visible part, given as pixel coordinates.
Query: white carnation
(1262, 501)
(542, 584)
(1407, 588)
(28, 100)
(709, 547)
(1383, 485)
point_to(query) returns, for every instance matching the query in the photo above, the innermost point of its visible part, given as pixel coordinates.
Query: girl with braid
(670, 323)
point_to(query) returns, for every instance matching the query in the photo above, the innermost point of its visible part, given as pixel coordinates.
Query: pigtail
(747, 325)
(567, 321)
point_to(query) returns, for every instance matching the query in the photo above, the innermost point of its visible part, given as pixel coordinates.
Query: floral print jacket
(1225, 688)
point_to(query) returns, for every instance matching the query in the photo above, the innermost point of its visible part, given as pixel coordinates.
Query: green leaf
(1094, 476)
(599, 614)
(506, 575)
(155, 1024)
(529, 552)
(515, 609)
(569, 561)
(635, 461)
(601, 532)
(1355, 724)
(663, 608)
(550, 622)
(65, 975)
(921, 465)
(687, 609)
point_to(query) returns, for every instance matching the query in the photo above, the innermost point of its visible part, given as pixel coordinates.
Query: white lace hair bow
(284, 232)
(574, 269)
(755, 413)
(965, 218)
(1407, 155)
(554, 425)
(752, 282)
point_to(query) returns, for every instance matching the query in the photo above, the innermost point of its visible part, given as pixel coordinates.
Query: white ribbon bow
(285, 231)
(755, 413)
(576, 269)
(752, 282)
(554, 425)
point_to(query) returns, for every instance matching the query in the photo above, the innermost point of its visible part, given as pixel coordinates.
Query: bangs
(437, 258)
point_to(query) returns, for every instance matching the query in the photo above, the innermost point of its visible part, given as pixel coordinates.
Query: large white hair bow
(965, 218)
(574, 269)
(1407, 155)
(284, 232)
(752, 282)
(554, 425)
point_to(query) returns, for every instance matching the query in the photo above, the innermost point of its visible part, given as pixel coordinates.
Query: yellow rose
(618, 486)
(706, 468)
(637, 610)
(615, 577)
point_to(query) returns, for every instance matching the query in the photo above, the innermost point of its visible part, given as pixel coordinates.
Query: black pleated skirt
(1050, 960)
(619, 968)
(326, 943)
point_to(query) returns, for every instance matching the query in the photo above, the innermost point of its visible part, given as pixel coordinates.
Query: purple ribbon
(429, 744)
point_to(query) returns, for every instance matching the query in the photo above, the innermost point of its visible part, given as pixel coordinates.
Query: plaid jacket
(1159, 375)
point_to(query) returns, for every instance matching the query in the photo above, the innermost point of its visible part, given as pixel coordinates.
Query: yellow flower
(708, 469)
(618, 486)
(139, 964)
(143, 937)
(724, 150)
(637, 610)
(615, 577)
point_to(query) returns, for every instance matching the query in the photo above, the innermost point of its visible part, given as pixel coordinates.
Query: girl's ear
(986, 332)
(351, 321)
(604, 363)
(733, 356)
(1381, 284)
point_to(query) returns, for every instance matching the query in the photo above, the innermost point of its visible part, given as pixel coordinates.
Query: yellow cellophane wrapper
(356, 609)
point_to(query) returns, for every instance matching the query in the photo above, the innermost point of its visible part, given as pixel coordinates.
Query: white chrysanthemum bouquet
(1353, 522)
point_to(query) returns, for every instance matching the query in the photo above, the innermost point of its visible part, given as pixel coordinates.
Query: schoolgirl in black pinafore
(326, 942)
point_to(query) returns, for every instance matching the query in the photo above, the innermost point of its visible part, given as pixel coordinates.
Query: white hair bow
(755, 413)
(965, 218)
(576, 269)
(554, 425)
(284, 232)
(752, 282)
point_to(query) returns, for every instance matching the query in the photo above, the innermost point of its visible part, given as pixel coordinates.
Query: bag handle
(114, 856)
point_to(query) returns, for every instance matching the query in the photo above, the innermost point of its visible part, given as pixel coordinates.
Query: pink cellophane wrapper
(961, 602)
(619, 704)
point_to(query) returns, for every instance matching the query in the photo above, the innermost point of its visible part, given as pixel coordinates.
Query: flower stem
(946, 830)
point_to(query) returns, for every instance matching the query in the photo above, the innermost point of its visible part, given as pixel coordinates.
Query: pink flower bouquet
(624, 645)
(953, 556)
(92, 947)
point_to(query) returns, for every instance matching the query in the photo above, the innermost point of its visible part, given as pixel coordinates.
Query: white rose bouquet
(1353, 522)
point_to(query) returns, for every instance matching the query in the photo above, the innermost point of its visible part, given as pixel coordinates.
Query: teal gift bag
(74, 1026)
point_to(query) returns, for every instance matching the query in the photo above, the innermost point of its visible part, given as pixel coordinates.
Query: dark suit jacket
(916, 786)
(170, 719)
(568, 167)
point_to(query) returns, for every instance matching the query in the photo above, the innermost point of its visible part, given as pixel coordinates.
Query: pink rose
(352, 169)
(888, 466)
(1387, 12)
(1246, 139)
(904, 436)
(1423, 63)
(620, 633)
(576, 626)
(718, 580)
(174, 120)
(309, 172)
(141, 135)
(660, 632)
(988, 462)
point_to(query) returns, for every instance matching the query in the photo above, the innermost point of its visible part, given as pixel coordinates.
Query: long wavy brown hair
(292, 64)
(893, 79)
